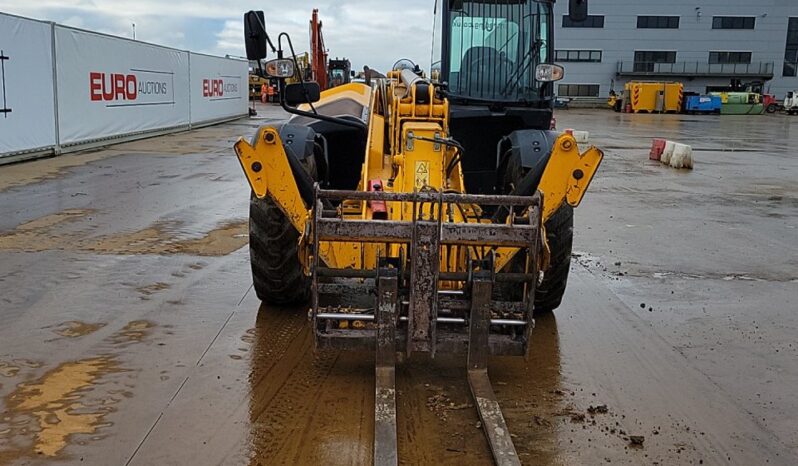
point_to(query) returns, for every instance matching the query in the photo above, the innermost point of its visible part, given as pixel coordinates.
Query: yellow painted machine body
(255, 84)
(415, 158)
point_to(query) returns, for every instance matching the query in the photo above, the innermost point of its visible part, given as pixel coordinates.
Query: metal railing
(697, 68)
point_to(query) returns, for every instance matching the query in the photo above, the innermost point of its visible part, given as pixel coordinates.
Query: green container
(741, 103)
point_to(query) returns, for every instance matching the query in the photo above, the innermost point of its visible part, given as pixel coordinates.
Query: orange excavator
(318, 53)
(327, 73)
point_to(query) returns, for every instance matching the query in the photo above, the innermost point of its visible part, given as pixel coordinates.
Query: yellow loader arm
(567, 175)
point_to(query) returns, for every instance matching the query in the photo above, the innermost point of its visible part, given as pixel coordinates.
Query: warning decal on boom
(422, 174)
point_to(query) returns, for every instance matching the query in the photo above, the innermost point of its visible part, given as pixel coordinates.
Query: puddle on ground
(7, 369)
(58, 406)
(11, 368)
(52, 220)
(22, 174)
(134, 331)
(219, 242)
(154, 288)
(42, 414)
(59, 232)
(76, 328)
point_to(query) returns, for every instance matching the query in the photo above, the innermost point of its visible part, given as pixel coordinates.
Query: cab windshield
(337, 77)
(494, 47)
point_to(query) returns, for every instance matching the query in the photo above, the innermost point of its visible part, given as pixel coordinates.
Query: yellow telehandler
(418, 215)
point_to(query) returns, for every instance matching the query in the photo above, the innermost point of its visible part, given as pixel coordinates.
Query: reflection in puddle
(69, 230)
(134, 331)
(149, 290)
(43, 414)
(10, 368)
(56, 401)
(76, 328)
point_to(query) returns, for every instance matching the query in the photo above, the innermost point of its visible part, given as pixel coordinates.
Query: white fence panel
(110, 86)
(27, 108)
(219, 87)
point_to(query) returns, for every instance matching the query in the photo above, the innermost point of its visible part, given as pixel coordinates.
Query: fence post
(57, 147)
(190, 117)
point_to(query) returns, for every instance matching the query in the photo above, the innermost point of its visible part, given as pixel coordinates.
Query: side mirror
(548, 73)
(255, 35)
(302, 93)
(281, 68)
(352, 74)
(577, 10)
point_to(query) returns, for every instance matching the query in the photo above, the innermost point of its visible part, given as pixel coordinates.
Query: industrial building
(708, 45)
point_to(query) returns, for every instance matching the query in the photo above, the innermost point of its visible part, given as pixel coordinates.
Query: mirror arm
(296, 62)
(268, 40)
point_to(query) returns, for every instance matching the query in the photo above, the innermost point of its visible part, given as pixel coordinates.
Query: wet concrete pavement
(128, 335)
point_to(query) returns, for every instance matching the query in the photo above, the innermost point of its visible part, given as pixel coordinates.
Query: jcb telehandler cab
(418, 215)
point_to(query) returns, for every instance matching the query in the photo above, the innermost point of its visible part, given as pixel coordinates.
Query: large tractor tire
(277, 274)
(560, 236)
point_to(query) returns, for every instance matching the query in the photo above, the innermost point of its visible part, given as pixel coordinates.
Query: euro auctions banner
(108, 86)
(27, 109)
(219, 87)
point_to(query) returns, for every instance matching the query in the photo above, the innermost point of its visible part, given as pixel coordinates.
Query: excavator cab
(340, 72)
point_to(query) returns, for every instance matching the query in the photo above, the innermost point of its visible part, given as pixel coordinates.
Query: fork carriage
(431, 265)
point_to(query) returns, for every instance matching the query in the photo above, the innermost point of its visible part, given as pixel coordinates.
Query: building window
(578, 90)
(646, 60)
(578, 56)
(658, 22)
(591, 22)
(729, 57)
(791, 49)
(733, 22)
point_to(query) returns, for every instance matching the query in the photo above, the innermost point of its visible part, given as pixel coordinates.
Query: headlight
(280, 68)
(546, 72)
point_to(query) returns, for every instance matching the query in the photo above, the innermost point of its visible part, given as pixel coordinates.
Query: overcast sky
(370, 32)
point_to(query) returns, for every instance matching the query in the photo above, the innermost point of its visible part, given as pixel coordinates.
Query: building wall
(620, 37)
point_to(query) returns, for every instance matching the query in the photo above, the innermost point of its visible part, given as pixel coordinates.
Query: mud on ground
(129, 333)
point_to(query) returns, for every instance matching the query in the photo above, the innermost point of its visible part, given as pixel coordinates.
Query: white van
(791, 103)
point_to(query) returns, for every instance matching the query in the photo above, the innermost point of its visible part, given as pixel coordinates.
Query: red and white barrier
(671, 153)
(581, 137)
(682, 156)
(657, 148)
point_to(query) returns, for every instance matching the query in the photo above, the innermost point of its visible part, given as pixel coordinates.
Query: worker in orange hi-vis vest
(272, 92)
(264, 92)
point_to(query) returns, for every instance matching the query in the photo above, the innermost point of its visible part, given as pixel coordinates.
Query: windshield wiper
(520, 71)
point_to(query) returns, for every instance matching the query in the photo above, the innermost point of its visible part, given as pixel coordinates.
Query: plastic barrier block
(682, 156)
(667, 153)
(657, 147)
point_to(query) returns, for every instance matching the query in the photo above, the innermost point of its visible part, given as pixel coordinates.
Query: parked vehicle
(771, 104)
(791, 103)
